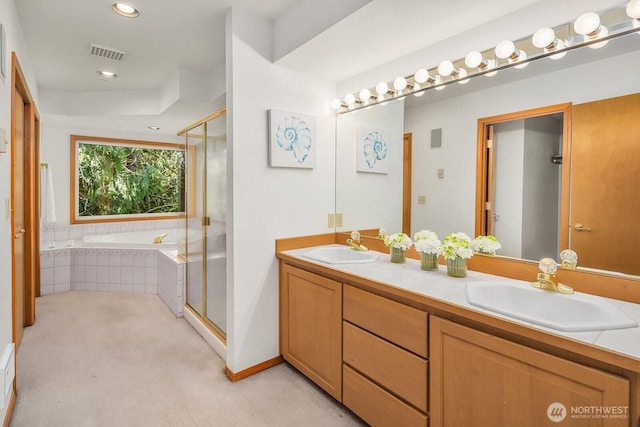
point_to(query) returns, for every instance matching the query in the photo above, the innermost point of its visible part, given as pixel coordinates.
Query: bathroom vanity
(401, 346)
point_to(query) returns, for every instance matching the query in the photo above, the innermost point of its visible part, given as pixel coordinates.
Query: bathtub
(137, 239)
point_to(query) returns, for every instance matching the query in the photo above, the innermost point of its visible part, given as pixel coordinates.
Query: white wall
(458, 117)
(541, 187)
(267, 203)
(14, 42)
(379, 204)
(508, 186)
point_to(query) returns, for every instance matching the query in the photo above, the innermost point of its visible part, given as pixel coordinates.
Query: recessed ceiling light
(107, 74)
(125, 9)
(154, 127)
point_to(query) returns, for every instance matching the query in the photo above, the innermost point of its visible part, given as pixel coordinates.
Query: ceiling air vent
(106, 52)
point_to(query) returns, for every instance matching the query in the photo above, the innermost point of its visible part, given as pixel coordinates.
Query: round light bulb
(336, 103)
(382, 88)
(416, 89)
(560, 44)
(419, 94)
(445, 68)
(505, 49)
(364, 95)
(399, 83)
(462, 73)
(633, 9)
(522, 55)
(349, 99)
(473, 59)
(586, 23)
(602, 32)
(421, 76)
(543, 37)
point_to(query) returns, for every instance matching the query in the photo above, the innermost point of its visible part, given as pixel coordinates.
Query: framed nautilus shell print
(292, 140)
(373, 148)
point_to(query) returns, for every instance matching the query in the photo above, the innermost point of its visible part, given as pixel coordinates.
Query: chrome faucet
(355, 242)
(547, 280)
(159, 238)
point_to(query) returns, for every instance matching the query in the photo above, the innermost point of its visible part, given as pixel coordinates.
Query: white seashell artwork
(292, 140)
(372, 150)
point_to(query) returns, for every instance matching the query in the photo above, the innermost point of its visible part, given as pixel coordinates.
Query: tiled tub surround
(139, 270)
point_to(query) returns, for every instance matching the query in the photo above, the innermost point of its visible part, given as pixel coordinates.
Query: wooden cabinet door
(311, 326)
(477, 379)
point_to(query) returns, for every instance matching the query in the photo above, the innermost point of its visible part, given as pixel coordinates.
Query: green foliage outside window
(120, 180)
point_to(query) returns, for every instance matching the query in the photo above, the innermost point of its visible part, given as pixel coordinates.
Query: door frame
(407, 159)
(31, 148)
(482, 160)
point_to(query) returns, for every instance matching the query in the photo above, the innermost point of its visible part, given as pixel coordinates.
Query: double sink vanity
(402, 347)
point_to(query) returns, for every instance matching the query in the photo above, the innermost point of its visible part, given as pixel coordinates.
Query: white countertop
(437, 285)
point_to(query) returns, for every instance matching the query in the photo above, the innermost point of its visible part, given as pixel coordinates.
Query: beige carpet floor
(109, 359)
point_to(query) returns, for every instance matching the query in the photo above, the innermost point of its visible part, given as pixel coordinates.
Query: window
(119, 180)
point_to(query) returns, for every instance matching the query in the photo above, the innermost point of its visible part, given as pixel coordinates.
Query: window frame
(76, 140)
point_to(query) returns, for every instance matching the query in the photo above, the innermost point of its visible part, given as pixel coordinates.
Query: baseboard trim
(7, 416)
(237, 376)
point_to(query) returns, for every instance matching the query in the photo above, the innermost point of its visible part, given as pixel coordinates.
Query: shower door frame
(191, 208)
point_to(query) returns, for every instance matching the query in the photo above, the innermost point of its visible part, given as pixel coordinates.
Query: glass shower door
(203, 246)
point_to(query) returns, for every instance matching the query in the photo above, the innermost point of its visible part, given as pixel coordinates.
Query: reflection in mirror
(444, 177)
(520, 170)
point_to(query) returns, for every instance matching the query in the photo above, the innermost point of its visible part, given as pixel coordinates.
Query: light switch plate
(339, 220)
(3, 140)
(422, 200)
(331, 221)
(441, 173)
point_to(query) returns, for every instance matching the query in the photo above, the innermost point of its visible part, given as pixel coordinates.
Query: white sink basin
(340, 255)
(570, 313)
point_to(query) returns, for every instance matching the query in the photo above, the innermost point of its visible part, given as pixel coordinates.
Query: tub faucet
(547, 279)
(159, 238)
(355, 242)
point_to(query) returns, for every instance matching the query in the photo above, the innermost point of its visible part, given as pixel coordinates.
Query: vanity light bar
(546, 42)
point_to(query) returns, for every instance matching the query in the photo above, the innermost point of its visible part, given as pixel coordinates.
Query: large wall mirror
(444, 132)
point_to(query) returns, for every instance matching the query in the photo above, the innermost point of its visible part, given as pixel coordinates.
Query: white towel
(49, 205)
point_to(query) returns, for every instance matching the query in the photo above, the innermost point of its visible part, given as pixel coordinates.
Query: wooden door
(605, 192)
(477, 379)
(18, 218)
(25, 209)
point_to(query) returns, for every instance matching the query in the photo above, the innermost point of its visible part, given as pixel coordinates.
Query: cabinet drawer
(401, 324)
(397, 370)
(376, 406)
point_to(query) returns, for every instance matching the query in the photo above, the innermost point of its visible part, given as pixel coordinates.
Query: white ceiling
(167, 38)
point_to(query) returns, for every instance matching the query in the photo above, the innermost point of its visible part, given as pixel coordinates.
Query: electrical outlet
(440, 173)
(331, 222)
(7, 209)
(339, 220)
(422, 200)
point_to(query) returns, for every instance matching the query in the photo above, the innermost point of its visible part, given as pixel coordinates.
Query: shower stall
(202, 234)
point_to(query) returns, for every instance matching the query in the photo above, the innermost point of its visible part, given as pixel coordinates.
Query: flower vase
(457, 267)
(486, 252)
(428, 261)
(398, 255)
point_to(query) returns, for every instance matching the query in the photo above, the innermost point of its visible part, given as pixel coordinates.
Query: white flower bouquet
(487, 245)
(398, 241)
(457, 245)
(427, 241)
